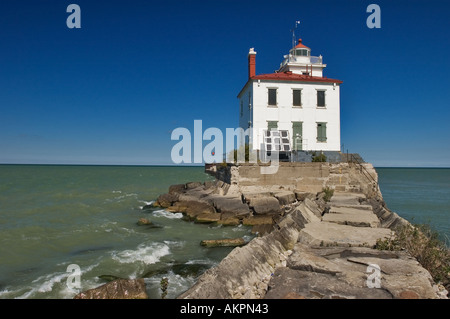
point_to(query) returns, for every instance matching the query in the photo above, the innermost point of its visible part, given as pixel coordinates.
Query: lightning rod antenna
(293, 33)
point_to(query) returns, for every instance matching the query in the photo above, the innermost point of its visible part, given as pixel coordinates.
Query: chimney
(251, 63)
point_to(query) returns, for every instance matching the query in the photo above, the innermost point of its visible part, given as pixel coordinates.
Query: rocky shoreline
(308, 245)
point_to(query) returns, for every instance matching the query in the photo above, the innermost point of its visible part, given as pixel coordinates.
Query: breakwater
(310, 244)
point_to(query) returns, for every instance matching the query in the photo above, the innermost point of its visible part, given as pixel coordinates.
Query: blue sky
(112, 91)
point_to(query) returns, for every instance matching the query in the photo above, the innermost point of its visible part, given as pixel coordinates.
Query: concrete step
(347, 198)
(353, 216)
(332, 234)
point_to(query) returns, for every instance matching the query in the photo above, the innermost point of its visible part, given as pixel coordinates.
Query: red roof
(289, 76)
(300, 45)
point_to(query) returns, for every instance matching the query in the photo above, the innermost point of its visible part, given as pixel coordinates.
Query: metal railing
(292, 58)
(352, 159)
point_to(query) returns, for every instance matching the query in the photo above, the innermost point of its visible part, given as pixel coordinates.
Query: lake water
(55, 216)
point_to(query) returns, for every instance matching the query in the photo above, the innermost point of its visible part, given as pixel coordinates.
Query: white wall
(285, 113)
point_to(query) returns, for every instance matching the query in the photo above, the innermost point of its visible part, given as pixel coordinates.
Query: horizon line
(178, 165)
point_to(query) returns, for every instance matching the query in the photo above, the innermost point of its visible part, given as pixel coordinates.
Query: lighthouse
(294, 109)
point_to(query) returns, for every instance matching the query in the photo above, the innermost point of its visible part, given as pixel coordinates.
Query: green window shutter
(272, 125)
(321, 132)
(272, 97)
(296, 97)
(297, 133)
(321, 98)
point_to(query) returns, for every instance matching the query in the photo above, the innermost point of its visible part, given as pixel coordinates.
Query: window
(272, 125)
(249, 101)
(321, 98)
(296, 97)
(322, 132)
(272, 97)
(301, 52)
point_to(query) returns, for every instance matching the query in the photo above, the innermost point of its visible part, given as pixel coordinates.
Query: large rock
(313, 207)
(230, 206)
(285, 197)
(233, 242)
(166, 200)
(353, 216)
(144, 221)
(265, 205)
(192, 208)
(312, 285)
(301, 196)
(343, 272)
(228, 221)
(117, 289)
(177, 189)
(346, 198)
(331, 234)
(207, 218)
(257, 220)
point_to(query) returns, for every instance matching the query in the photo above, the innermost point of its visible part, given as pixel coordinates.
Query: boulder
(192, 208)
(313, 207)
(148, 206)
(206, 218)
(312, 285)
(354, 216)
(229, 242)
(165, 200)
(301, 196)
(232, 206)
(331, 234)
(192, 185)
(400, 275)
(228, 221)
(117, 289)
(265, 205)
(144, 221)
(257, 220)
(285, 197)
(109, 277)
(177, 189)
(262, 229)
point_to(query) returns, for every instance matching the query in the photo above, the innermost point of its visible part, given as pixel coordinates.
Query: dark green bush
(319, 158)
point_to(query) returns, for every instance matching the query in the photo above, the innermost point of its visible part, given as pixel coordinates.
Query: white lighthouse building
(296, 101)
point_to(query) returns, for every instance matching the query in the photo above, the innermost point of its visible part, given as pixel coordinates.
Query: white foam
(147, 254)
(46, 283)
(146, 202)
(166, 214)
(4, 293)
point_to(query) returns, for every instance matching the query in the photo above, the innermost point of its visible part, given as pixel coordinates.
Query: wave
(166, 214)
(146, 203)
(147, 254)
(45, 284)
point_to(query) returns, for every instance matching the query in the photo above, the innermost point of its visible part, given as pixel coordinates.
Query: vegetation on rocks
(319, 157)
(328, 193)
(164, 284)
(423, 243)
